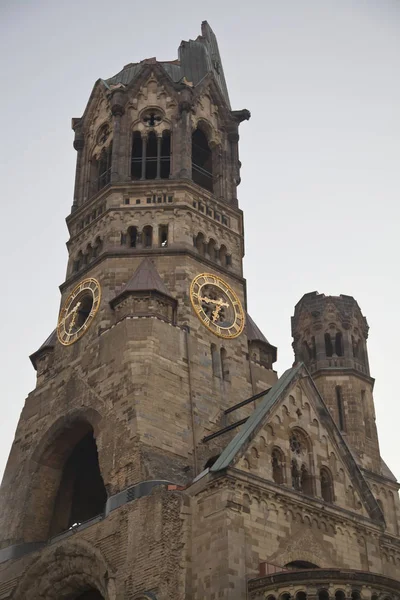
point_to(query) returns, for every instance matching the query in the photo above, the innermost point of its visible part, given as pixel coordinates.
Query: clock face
(217, 305)
(78, 311)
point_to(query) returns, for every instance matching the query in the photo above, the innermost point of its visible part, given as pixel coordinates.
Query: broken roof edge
(48, 344)
(252, 422)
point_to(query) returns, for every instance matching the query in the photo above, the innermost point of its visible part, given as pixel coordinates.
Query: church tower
(159, 456)
(330, 337)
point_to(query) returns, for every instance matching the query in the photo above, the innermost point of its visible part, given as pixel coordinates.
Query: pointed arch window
(151, 156)
(202, 171)
(278, 466)
(132, 236)
(339, 344)
(328, 345)
(326, 485)
(104, 167)
(147, 236)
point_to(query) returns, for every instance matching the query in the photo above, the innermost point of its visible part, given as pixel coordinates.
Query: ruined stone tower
(159, 457)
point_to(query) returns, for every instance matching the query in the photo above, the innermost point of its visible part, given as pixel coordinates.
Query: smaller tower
(330, 336)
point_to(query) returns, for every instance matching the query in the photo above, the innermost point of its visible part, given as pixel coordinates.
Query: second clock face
(78, 311)
(217, 306)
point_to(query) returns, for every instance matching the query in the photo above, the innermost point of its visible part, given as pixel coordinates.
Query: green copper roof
(252, 422)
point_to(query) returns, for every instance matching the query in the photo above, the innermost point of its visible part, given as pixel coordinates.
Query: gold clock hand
(215, 314)
(71, 312)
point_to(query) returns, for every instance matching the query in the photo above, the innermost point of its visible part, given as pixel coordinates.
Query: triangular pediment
(293, 422)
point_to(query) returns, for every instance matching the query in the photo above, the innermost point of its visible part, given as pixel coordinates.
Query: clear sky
(320, 177)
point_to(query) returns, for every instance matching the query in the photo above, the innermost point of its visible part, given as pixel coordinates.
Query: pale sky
(320, 178)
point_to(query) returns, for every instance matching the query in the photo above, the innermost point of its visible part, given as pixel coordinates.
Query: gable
(292, 440)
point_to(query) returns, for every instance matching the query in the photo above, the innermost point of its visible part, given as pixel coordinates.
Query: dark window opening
(148, 236)
(277, 466)
(323, 595)
(212, 249)
(90, 595)
(136, 161)
(163, 235)
(228, 260)
(301, 564)
(326, 486)
(123, 239)
(97, 247)
(201, 161)
(223, 254)
(224, 364)
(165, 158)
(215, 360)
(339, 344)
(340, 595)
(127, 201)
(132, 233)
(200, 244)
(301, 596)
(104, 167)
(81, 494)
(340, 409)
(151, 156)
(328, 345)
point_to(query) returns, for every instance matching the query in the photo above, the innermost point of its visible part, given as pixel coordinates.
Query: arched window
(200, 243)
(326, 485)
(163, 236)
(212, 250)
(104, 167)
(147, 236)
(340, 595)
(224, 365)
(300, 449)
(97, 247)
(81, 493)
(67, 486)
(202, 172)
(301, 596)
(78, 262)
(136, 161)
(340, 408)
(165, 166)
(89, 253)
(151, 156)
(328, 345)
(215, 359)
(323, 595)
(278, 466)
(223, 255)
(339, 344)
(132, 236)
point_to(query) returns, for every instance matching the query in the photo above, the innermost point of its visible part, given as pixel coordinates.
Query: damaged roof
(197, 58)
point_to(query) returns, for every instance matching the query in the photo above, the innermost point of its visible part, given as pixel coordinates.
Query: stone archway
(74, 570)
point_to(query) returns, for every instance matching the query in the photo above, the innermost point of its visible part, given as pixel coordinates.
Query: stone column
(182, 139)
(144, 147)
(79, 143)
(159, 141)
(117, 109)
(233, 163)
